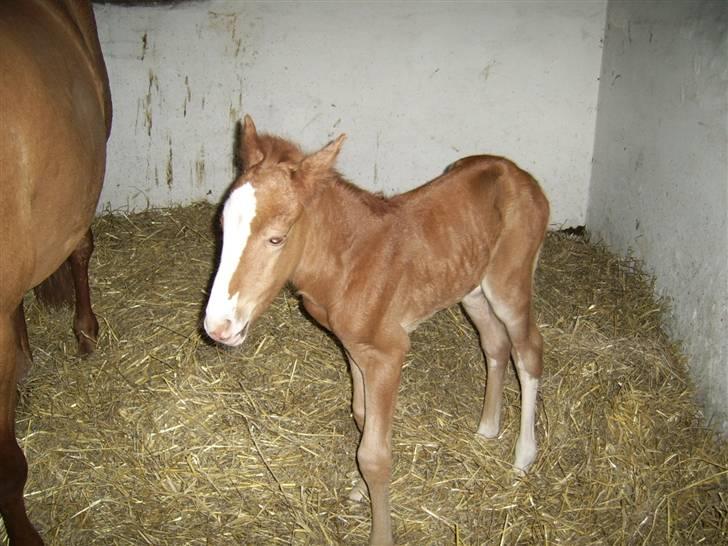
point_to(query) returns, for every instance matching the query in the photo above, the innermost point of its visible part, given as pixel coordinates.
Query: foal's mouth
(242, 334)
(231, 340)
(237, 338)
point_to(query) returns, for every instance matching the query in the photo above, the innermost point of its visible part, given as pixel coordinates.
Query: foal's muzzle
(228, 332)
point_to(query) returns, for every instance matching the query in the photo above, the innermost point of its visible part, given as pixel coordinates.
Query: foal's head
(262, 240)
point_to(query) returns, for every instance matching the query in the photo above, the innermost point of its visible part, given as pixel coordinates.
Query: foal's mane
(377, 203)
(280, 150)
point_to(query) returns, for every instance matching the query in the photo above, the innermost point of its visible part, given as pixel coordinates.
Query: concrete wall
(659, 187)
(415, 86)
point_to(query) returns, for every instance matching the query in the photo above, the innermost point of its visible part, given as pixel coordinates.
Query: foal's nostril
(221, 332)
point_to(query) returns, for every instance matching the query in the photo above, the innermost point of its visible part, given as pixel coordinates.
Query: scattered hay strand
(162, 438)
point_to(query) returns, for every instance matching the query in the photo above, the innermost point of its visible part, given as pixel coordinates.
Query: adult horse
(55, 107)
(370, 269)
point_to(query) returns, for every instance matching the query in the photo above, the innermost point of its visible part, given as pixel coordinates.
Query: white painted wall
(415, 86)
(659, 187)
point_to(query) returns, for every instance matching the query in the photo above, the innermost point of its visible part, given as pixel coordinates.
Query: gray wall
(659, 186)
(415, 85)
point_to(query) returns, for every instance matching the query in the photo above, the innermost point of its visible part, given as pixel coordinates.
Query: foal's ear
(250, 151)
(325, 157)
(314, 171)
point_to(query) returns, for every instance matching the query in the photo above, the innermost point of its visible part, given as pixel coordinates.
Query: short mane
(376, 202)
(279, 150)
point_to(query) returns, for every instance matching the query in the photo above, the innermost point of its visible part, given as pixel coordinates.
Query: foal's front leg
(380, 371)
(358, 491)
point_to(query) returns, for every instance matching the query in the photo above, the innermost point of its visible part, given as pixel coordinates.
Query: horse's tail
(57, 290)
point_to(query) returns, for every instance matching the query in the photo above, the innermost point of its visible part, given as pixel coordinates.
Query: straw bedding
(162, 438)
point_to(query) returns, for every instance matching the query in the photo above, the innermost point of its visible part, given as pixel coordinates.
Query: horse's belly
(55, 140)
(66, 183)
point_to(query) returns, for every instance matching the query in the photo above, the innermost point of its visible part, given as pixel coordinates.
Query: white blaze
(238, 214)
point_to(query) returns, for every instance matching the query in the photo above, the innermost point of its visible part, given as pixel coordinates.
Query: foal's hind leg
(85, 325)
(508, 287)
(497, 349)
(527, 354)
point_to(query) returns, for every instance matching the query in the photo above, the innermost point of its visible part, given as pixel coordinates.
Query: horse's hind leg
(85, 325)
(24, 357)
(497, 349)
(13, 467)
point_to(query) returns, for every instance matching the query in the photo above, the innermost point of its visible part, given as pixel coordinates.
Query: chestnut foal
(370, 269)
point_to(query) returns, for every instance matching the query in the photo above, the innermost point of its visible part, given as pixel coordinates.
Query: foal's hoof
(525, 455)
(488, 431)
(358, 491)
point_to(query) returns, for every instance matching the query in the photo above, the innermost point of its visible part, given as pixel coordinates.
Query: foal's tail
(57, 290)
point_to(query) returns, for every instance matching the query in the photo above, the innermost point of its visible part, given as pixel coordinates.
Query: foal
(370, 269)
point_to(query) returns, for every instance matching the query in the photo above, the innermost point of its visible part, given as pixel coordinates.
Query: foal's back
(487, 190)
(447, 231)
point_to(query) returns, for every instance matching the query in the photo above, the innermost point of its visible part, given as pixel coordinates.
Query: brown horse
(370, 269)
(55, 107)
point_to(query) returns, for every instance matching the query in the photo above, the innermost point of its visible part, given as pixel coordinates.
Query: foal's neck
(332, 224)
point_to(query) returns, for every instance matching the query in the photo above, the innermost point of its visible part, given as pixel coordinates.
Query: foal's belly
(414, 318)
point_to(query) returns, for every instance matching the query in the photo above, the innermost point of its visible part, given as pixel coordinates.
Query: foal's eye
(276, 241)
